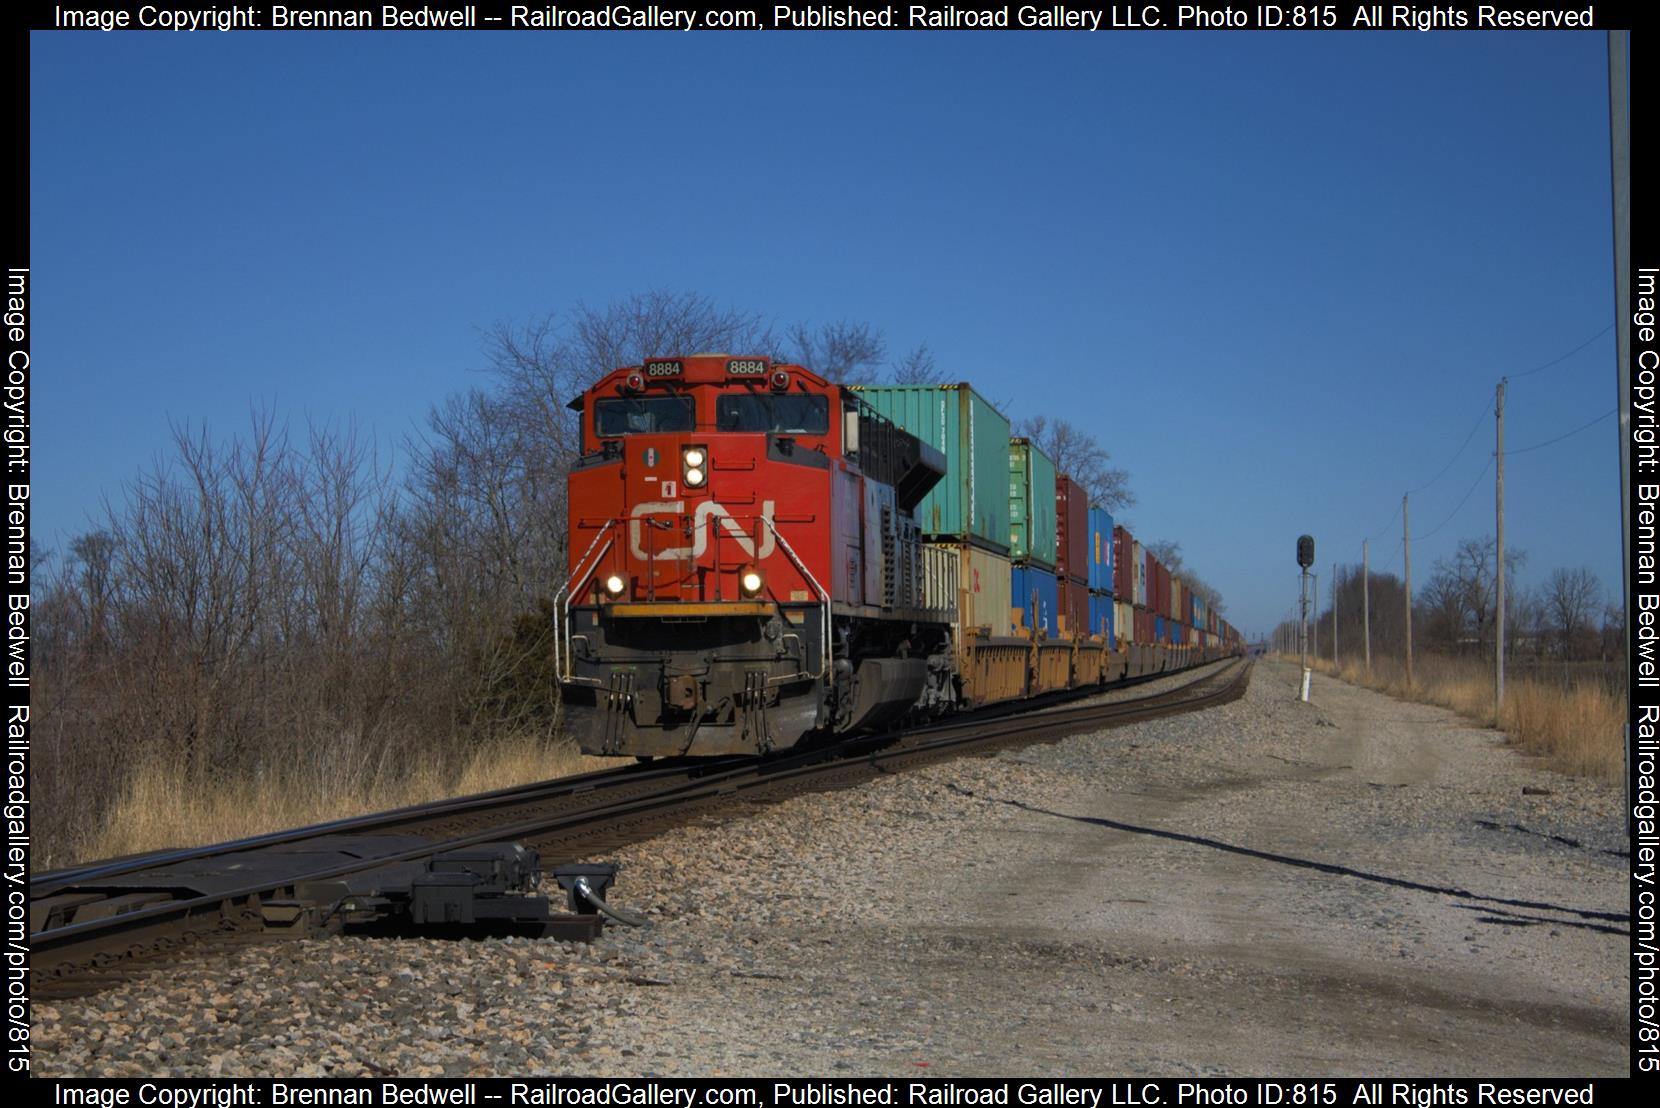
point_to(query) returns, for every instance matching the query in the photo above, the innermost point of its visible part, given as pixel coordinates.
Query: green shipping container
(1031, 503)
(969, 504)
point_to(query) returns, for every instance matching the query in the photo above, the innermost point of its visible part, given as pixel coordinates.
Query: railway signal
(1305, 558)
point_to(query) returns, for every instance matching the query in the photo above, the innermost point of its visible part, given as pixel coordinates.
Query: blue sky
(1277, 274)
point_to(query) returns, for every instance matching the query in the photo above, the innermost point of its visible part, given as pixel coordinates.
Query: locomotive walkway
(1359, 885)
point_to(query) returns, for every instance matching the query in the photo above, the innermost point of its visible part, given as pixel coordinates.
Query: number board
(662, 369)
(747, 367)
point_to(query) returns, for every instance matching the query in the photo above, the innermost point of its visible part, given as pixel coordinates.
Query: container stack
(1123, 586)
(1101, 614)
(1072, 556)
(968, 511)
(1032, 534)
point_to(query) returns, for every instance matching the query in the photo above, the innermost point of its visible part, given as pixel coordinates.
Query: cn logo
(700, 530)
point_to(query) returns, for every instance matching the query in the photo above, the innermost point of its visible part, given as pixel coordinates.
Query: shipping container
(1138, 587)
(1031, 503)
(1123, 564)
(1123, 621)
(1176, 600)
(1162, 607)
(1101, 618)
(975, 583)
(1100, 550)
(1034, 599)
(970, 504)
(1144, 626)
(1072, 545)
(1074, 606)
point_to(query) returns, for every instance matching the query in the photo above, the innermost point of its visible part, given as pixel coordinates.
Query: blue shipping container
(1100, 617)
(1036, 592)
(1158, 629)
(1100, 550)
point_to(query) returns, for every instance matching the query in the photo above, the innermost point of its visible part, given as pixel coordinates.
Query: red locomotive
(745, 562)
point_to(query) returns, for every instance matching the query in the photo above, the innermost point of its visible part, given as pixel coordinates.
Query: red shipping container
(1074, 607)
(1155, 592)
(1164, 593)
(1071, 529)
(1123, 564)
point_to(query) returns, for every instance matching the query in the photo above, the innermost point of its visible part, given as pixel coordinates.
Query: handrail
(824, 657)
(563, 613)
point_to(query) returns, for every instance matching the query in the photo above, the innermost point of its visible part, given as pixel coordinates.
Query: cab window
(772, 413)
(639, 415)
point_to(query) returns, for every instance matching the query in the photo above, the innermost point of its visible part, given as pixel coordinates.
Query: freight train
(759, 557)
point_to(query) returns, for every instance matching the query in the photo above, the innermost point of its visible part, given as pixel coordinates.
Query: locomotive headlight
(693, 460)
(615, 584)
(751, 581)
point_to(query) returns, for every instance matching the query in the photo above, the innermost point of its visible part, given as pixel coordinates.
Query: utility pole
(1498, 569)
(1334, 661)
(1366, 598)
(1406, 540)
(1619, 143)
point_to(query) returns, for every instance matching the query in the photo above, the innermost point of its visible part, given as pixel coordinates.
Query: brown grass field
(162, 807)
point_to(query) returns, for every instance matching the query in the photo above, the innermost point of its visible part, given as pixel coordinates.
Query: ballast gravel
(1357, 885)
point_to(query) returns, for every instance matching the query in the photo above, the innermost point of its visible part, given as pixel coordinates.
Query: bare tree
(918, 368)
(1470, 573)
(844, 352)
(1574, 597)
(1169, 555)
(1443, 605)
(1080, 455)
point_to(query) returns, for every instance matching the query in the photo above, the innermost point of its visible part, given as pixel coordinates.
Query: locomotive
(748, 570)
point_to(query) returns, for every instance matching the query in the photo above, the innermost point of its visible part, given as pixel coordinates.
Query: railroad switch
(493, 887)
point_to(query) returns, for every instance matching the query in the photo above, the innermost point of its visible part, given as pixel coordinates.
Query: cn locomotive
(749, 567)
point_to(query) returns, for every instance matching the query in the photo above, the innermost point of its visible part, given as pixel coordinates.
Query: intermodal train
(759, 556)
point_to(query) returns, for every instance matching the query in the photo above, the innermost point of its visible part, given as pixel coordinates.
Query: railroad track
(90, 924)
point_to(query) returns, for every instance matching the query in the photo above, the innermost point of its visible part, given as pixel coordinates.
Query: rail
(90, 945)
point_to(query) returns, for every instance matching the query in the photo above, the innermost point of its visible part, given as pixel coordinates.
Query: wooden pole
(1406, 540)
(1366, 598)
(1334, 615)
(1498, 568)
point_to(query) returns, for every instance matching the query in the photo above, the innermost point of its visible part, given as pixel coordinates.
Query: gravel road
(1354, 886)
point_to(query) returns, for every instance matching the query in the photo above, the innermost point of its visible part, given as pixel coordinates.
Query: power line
(1565, 357)
(1569, 435)
(1461, 503)
(1392, 518)
(1480, 418)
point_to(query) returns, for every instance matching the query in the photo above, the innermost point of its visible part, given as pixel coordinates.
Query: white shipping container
(981, 582)
(1140, 597)
(1123, 614)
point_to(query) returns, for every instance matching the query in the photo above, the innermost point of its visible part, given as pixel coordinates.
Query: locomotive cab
(727, 550)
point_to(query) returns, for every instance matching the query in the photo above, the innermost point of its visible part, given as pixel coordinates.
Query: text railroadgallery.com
(806, 1093)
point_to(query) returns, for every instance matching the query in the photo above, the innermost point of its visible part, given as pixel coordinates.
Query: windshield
(642, 415)
(788, 414)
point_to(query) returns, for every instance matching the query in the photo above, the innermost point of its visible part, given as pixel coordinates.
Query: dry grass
(162, 806)
(1576, 726)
